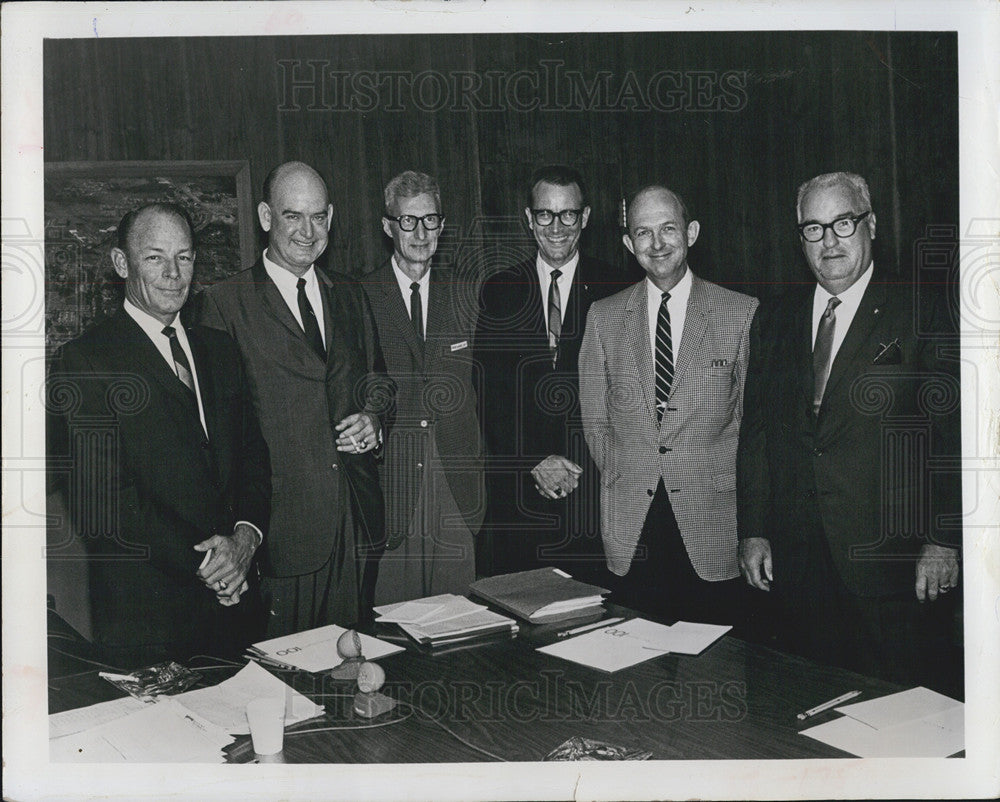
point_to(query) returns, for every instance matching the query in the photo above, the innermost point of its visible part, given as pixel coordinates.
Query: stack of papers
(316, 649)
(627, 644)
(445, 619)
(541, 596)
(914, 723)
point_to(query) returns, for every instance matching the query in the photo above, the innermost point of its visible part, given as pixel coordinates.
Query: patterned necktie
(823, 351)
(664, 357)
(555, 314)
(309, 324)
(416, 310)
(181, 364)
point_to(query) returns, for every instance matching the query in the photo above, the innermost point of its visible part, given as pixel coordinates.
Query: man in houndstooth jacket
(662, 367)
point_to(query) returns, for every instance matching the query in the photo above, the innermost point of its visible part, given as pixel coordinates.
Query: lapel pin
(875, 311)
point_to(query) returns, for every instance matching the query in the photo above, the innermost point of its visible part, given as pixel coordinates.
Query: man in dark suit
(850, 400)
(310, 349)
(661, 386)
(541, 483)
(154, 442)
(432, 472)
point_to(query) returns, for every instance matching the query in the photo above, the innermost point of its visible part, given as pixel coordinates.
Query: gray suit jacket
(694, 449)
(434, 396)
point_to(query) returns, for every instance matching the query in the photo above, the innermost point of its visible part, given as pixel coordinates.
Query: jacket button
(818, 452)
(420, 465)
(663, 449)
(204, 444)
(334, 467)
(423, 424)
(649, 492)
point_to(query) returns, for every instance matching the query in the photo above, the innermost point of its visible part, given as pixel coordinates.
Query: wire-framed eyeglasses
(544, 217)
(408, 222)
(843, 228)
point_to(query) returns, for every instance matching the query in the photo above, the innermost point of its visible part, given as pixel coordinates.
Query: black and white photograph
(395, 390)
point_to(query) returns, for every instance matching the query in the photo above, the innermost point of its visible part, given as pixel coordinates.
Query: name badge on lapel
(459, 346)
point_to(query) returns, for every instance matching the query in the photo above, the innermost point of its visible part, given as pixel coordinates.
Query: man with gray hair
(850, 399)
(432, 473)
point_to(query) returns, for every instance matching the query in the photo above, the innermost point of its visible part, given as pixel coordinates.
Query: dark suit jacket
(299, 400)
(530, 410)
(434, 394)
(875, 473)
(144, 484)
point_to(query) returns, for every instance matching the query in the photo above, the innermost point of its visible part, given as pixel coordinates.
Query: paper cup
(266, 718)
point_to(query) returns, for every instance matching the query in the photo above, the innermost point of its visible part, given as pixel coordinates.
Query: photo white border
(27, 774)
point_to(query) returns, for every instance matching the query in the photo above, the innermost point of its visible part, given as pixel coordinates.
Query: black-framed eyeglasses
(567, 217)
(408, 222)
(843, 228)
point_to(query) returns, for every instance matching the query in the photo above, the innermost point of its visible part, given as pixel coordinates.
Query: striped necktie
(555, 314)
(664, 357)
(181, 365)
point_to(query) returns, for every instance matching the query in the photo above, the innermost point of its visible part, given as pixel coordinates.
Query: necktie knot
(832, 304)
(169, 331)
(664, 297)
(415, 286)
(556, 275)
(300, 284)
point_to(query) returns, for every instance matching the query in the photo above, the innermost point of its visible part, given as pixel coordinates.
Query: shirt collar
(852, 295)
(567, 271)
(147, 322)
(286, 279)
(405, 281)
(680, 292)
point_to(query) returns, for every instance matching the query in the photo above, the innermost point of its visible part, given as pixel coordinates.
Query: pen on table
(586, 628)
(827, 705)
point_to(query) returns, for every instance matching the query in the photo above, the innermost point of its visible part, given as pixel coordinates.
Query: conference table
(503, 700)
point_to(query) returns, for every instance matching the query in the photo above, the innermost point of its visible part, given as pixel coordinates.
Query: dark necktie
(664, 357)
(823, 351)
(555, 314)
(309, 324)
(416, 310)
(181, 364)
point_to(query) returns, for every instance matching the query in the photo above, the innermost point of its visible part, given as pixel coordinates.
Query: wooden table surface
(504, 700)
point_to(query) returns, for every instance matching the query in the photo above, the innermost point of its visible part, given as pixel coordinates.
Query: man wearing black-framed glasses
(432, 470)
(543, 497)
(850, 399)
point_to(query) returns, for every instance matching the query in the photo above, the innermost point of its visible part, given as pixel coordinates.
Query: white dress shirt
(404, 282)
(563, 283)
(154, 330)
(676, 306)
(850, 299)
(287, 283)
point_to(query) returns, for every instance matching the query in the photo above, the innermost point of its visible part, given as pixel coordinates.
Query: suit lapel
(637, 340)
(537, 323)
(139, 348)
(438, 311)
(802, 347)
(217, 435)
(399, 314)
(857, 335)
(695, 324)
(274, 306)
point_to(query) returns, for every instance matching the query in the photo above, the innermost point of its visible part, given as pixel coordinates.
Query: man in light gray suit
(662, 368)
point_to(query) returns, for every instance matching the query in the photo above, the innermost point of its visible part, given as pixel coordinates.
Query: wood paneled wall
(882, 104)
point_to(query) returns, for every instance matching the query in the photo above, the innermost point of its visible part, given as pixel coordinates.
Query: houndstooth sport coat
(694, 449)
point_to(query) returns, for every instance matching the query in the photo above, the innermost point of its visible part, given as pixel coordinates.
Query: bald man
(662, 367)
(313, 359)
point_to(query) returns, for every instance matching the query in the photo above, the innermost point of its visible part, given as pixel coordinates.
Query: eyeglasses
(843, 228)
(408, 222)
(544, 217)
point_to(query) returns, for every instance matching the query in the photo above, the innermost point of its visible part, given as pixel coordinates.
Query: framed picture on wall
(85, 201)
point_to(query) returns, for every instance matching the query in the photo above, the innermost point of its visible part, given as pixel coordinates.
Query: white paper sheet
(939, 735)
(899, 708)
(225, 704)
(613, 648)
(83, 718)
(316, 649)
(687, 638)
(164, 732)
